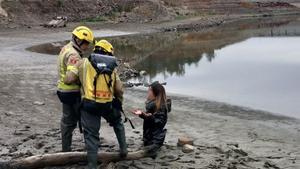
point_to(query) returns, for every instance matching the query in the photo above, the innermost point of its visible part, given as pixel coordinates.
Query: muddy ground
(226, 136)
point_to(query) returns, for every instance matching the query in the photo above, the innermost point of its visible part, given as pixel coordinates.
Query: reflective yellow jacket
(104, 94)
(67, 59)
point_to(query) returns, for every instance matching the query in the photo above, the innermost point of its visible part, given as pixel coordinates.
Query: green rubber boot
(92, 160)
(120, 134)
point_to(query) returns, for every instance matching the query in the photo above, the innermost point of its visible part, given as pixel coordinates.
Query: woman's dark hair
(159, 93)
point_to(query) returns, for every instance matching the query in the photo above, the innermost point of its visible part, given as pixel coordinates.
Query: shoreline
(263, 140)
(274, 115)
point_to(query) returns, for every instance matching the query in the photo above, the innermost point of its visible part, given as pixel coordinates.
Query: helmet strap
(77, 43)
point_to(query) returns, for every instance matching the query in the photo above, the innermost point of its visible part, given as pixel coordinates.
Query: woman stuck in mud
(155, 117)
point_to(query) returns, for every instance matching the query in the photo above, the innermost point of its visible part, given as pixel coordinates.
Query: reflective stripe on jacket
(104, 93)
(63, 63)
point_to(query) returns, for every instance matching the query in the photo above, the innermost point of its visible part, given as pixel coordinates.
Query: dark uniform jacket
(154, 131)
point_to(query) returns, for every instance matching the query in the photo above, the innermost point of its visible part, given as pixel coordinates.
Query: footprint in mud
(52, 133)
(170, 158)
(270, 165)
(39, 145)
(253, 136)
(13, 149)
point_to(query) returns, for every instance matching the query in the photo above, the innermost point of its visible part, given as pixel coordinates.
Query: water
(252, 63)
(261, 73)
(244, 67)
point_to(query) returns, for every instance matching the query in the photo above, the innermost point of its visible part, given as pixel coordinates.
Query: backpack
(103, 65)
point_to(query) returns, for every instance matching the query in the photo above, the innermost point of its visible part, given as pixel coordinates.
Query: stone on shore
(188, 148)
(185, 140)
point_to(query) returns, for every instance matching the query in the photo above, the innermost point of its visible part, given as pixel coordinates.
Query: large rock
(185, 140)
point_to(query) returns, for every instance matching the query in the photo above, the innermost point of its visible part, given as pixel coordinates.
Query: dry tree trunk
(60, 159)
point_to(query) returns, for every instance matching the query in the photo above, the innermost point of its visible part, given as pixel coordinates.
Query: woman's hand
(137, 112)
(147, 114)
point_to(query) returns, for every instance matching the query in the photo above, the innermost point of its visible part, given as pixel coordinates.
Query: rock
(185, 140)
(10, 113)
(57, 22)
(188, 148)
(128, 84)
(143, 73)
(233, 144)
(38, 103)
(126, 65)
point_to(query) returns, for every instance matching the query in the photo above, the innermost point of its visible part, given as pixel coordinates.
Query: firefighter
(69, 93)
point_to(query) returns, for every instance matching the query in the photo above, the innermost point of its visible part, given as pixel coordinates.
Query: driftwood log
(61, 159)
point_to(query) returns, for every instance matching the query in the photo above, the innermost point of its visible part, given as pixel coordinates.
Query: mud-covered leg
(68, 124)
(120, 134)
(91, 126)
(114, 117)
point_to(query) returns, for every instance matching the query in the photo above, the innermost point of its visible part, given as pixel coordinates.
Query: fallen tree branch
(61, 159)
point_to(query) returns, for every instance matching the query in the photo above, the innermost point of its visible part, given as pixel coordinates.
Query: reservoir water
(248, 64)
(260, 72)
(251, 63)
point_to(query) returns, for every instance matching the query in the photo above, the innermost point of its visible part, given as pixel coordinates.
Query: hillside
(23, 12)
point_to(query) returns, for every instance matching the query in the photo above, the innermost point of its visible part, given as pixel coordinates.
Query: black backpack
(103, 64)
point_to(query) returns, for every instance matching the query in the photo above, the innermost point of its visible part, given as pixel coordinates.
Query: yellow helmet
(105, 45)
(84, 33)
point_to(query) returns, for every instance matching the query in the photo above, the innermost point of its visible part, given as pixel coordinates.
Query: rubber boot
(120, 134)
(152, 150)
(92, 160)
(66, 137)
(68, 124)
